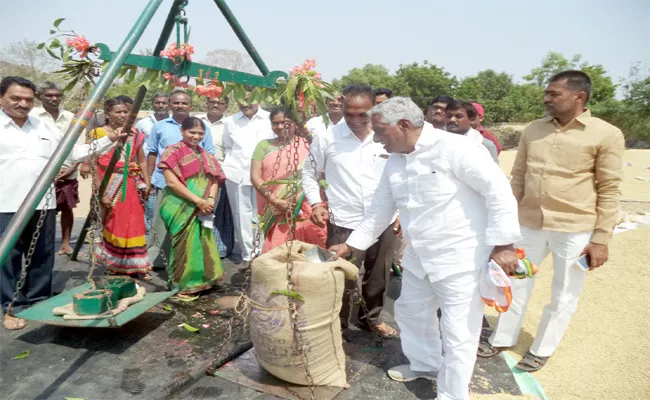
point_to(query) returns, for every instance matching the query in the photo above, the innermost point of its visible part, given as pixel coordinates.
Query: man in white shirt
(26, 145)
(214, 116)
(353, 163)
(457, 212)
(241, 134)
(316, 125)
(224, 231)
(458, 117)
(67, 185)
(160, 106)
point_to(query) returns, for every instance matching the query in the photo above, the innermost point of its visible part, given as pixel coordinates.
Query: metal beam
(195, 69)
(43, 182)
(243, 38)
(168, 27)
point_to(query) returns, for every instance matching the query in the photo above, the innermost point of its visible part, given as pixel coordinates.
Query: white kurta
(455, 204)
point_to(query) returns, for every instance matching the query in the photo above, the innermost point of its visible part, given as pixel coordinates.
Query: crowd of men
(423, 188)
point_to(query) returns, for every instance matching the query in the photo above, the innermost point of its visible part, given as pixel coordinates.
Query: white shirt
(24, 151)
(217, 136)
(452, 200)
(145, 124)
(62, 123)
(352, 169)
(316, 125)
(240, 137)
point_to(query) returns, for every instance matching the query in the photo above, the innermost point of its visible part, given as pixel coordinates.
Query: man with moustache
(352, 163)
(241, 134)
(458, 119)
(316, 125)
(435, 113)
(26, 145)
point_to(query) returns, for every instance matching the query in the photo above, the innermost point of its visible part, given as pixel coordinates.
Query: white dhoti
(244, 206)
(565, 290)
(462, 311)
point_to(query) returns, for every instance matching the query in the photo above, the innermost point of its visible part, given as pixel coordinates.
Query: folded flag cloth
(495, 284)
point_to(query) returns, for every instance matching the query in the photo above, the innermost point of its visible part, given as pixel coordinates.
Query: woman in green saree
(193, 176)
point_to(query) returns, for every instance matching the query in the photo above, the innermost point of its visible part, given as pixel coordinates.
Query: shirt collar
(171, 120)
(6, 120)
(348, 132)
(241, 115)
(428, 136)
(582, 118)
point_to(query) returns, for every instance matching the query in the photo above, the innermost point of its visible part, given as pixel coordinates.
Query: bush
(508, 136)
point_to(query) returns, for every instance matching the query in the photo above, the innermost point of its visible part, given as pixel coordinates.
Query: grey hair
(399, 108)
(47, 85)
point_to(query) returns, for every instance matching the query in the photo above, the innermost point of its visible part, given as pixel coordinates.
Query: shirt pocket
(44, 148)
(578, 158)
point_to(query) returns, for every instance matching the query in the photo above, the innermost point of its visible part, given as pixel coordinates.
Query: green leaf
(188, 299)
(22, 355)
(51, 53)
(277, 182)
(131, 75)
(55, 44)
(58, 22)
(71, 85)
(190, 328)
(167, 307)
(40, 46)
(52, 31)
(289, 293)
(123, 71)
(323, 184)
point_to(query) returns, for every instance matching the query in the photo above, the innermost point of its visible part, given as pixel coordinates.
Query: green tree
(524, 103)
(422, 82)
(371, 74)
(602, 86)
(488, 88)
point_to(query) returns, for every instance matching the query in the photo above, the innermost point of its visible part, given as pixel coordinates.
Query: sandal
(531, 362)
(486, 350)
(386, 331)
(13, 323)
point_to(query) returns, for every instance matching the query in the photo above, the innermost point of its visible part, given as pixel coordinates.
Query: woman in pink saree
(276, 156)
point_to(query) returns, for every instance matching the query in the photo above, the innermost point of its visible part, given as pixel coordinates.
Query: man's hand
(342, 250)
(320, 216)
(146, 192)
(397, 228)
(597, 254)
(505, 257)
(65, 172)
(84, 170)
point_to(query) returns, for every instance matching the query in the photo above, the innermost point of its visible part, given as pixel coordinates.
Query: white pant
(462, 311)
(243, 205)
(567, 284)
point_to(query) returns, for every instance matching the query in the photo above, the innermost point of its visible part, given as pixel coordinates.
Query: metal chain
(298, 340)
(30, 252)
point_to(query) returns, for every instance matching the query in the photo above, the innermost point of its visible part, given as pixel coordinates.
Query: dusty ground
(605, 353)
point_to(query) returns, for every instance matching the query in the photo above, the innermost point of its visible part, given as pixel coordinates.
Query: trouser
(377, 261)
(38, 284)
(565, 290)
(243, 205)
(462, 309)
(149, 208)
(163, 243)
